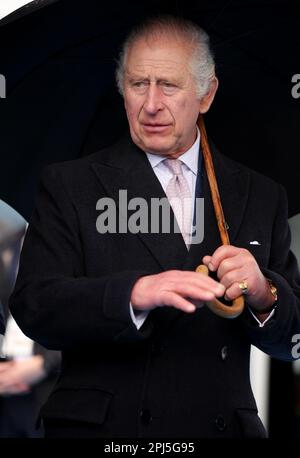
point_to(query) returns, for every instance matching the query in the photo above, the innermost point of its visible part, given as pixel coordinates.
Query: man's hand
(16, 377)
(235, 265)
(174, 288)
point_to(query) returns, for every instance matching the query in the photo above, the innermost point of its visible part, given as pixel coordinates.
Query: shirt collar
(189, 158)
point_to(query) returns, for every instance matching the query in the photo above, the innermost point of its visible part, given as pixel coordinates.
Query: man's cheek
(132, 117)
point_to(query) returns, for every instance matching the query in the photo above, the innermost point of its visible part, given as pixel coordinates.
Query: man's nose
(153, 102)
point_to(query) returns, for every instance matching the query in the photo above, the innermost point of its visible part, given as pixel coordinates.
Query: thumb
(206, 260)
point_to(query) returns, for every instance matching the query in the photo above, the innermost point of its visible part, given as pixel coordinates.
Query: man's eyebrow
(159, 80)
(169, 79)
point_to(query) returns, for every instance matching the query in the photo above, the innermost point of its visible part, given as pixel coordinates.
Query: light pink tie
(180, 198)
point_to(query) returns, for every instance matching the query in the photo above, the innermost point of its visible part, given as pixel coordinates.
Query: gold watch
(273, 289)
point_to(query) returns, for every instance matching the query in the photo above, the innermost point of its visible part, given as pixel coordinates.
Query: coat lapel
(126, 167)
(233, 182)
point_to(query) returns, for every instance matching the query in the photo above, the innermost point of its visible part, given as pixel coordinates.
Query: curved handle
(224, 311)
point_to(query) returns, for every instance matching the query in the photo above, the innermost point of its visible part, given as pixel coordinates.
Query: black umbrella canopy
(58, 58)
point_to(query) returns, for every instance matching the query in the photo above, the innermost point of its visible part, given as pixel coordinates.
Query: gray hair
(202, 65)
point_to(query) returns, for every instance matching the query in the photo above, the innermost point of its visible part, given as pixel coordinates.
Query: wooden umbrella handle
(220, 309)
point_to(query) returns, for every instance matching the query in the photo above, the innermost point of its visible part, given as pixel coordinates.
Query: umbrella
(58, 59)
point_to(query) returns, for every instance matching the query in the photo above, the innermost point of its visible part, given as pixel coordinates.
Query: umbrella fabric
(62, 102)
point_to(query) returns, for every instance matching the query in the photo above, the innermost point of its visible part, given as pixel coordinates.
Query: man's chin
(157, 146)
(158, 151)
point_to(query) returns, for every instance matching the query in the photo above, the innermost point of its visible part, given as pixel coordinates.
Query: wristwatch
(273, 290)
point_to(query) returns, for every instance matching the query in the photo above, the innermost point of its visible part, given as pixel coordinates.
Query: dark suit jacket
(181, 374)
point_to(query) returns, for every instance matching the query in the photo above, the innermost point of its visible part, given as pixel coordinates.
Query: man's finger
(174, 300)
(202, 283)
(180, 282)
(221, 253)
(233, 292)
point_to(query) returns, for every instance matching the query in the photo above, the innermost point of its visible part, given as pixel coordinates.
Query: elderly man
(141, 357)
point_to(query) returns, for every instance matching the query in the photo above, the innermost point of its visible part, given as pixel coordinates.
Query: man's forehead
(177, 50)
(139, 66)
(158, 57)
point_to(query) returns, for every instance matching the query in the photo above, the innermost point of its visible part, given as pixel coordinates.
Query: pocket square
(254, 242)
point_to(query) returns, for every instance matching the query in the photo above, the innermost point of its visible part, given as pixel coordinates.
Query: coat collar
(125, 166)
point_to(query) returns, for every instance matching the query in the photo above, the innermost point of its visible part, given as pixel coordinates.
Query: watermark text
(2, 87)
(137, 215)
(296, 87)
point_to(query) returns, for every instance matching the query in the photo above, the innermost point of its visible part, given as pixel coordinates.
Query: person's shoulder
(81, 168)
(257, 178)
(83, 163)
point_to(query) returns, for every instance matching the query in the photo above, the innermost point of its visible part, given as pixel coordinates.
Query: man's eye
(139, 84)
(169, 88)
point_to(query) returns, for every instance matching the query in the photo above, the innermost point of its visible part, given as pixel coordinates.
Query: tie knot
(174, 165)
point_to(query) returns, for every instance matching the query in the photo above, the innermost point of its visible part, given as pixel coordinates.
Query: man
(141, 357)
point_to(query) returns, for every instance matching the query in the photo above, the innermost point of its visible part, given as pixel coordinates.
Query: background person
(30, 370)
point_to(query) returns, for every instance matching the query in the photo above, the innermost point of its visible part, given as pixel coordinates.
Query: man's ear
(208, 98)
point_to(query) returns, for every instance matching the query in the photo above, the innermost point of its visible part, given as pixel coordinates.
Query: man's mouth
(155, 127)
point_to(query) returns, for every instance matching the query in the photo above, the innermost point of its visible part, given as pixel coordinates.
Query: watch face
(274, 292)
(273, 289)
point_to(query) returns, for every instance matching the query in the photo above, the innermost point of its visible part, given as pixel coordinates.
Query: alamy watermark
(2, 87)
(296, 347)
(137, 215)
(296, 88)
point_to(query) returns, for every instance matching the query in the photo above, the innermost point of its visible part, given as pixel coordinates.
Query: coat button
(145, 415)
(224, 353)
(157, 348)
(220, 423)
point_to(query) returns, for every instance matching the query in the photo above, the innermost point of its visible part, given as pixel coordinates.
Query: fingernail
(210, 266)
(220, 289)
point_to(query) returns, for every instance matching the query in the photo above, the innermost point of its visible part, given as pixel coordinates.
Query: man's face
(160, 97)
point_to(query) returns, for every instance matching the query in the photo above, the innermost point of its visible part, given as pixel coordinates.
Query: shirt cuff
(139, 317)
(262, 323)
